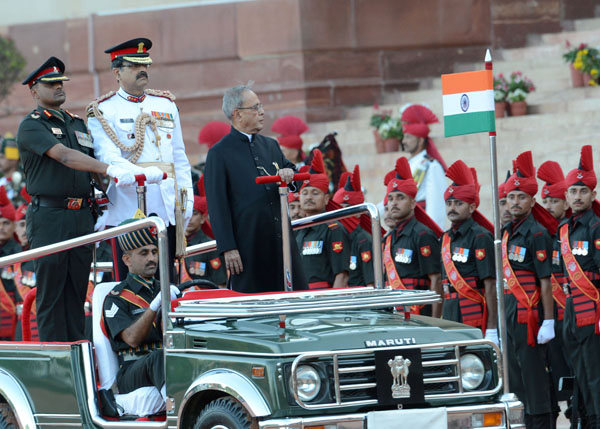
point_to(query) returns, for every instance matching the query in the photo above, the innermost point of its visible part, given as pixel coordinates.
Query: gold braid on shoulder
(141, 121)
(160, 93)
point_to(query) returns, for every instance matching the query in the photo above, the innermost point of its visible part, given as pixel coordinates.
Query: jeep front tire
(224, 413)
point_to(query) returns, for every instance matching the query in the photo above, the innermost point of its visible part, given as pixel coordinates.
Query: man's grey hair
(234, 98)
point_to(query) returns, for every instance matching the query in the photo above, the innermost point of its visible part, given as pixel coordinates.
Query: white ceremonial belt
(165, 167)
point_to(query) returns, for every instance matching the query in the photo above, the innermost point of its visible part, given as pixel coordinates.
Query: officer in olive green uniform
(57, 158)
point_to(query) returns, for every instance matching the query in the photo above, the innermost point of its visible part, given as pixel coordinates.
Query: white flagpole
(498, 253)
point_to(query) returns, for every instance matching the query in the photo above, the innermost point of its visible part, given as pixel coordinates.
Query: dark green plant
(13, 64)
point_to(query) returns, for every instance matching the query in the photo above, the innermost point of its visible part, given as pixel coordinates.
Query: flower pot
(391, 145)
(500, 109)
(518, 108)
(576, 77)
(379, 144)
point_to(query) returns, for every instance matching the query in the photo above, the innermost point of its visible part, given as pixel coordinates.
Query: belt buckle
(74, 203)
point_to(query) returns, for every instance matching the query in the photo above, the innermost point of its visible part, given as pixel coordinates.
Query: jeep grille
(353, 380)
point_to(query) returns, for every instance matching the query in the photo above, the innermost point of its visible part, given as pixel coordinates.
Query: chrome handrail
(320, 218)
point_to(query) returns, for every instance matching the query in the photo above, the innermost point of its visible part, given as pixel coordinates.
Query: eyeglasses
(256, 107)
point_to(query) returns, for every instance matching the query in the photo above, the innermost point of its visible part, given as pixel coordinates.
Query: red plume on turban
(212, 132)
(7, 210)
(25, 195)
(22, 209)
(523, 179)
(401, 180)
(290, 127)
(318, 177)
(544, 217)
(349, 191)
(200, 199)
(583, 175)
(555, 186)
(463, 185)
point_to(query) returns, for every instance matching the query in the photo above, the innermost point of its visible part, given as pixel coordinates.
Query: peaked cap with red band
(349, 191)
(212, 132)
(291, 128)
(7, 210)
(318, 177)
(400, 179)
(584, 175)
(555, 186)
(523, 177)
(463, 185)
(51, 71)
(134, 50)
(416, 120)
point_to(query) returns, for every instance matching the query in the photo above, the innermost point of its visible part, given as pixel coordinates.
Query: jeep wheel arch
(15, 397)
(218, 383)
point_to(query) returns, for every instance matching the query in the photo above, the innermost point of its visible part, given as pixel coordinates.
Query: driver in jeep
(131, 312)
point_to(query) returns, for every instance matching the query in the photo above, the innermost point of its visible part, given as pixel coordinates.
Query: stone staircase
(561, 119)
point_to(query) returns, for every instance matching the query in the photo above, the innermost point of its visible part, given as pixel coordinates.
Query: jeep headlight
(472, 371)
(308, 383)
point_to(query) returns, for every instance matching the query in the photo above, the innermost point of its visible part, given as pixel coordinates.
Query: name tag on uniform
(403, 256)
(57, 132)
(126, 120)
(312, 248)
(84, 139)
(164, 120)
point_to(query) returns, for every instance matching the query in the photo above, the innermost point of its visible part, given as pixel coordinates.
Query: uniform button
(276, 219)
(256, 158)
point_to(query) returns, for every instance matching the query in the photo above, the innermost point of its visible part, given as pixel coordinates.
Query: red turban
(523, 177)
(290, 128)
(400, 179)
(318, 177)
(7, 210)
(21, 211)
(293, 196)
(583, 175)
(212, 132)
(555, 186)
(463, 185)
(416, 120)
(349, 191)
(200, 199)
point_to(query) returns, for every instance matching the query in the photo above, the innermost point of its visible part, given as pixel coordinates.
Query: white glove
(124, 177)
(492, 335)
(546, 332)
(156, 302)
(153, 175)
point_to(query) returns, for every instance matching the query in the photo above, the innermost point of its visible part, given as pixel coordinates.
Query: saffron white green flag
(468, 100)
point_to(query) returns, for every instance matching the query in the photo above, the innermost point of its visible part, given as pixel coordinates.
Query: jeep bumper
(508, 414)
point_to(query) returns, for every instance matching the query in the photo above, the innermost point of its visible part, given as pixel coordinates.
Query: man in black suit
(246, 217)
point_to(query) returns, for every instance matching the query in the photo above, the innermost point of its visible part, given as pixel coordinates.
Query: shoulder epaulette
(423, 232)
(90, 107)
(35, 114)
(160, 93)
(73, 115)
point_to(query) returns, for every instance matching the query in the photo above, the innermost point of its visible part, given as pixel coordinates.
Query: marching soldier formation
(550, 254)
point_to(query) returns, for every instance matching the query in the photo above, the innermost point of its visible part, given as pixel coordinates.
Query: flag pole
(498, 253)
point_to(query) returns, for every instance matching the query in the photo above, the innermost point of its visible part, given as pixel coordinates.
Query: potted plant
(500, 93)
(390, 131)
(519, 87)
(570, 57)
(377, 119)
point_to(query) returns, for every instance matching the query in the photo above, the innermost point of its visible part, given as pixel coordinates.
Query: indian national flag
(468, 100)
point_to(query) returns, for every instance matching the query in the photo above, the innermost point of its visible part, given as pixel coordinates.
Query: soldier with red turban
(350, 193)
(325, 248)
(8, 289)
(526, 262)
(291, 128)
(468, 275)
(208, 266)
(411, 250)
(212, 132)
(426, 163)
(580, 250)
